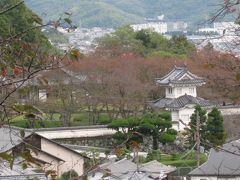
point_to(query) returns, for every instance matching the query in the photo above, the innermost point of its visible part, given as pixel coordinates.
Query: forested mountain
(112, 13)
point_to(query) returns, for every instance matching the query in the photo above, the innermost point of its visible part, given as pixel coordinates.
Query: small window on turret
(169, 90)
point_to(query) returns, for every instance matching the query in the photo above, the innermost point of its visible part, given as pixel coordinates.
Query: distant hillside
(113, 13)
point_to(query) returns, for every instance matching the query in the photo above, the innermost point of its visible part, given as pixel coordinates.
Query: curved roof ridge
(175, 75)
(169, 73)
(185, 99)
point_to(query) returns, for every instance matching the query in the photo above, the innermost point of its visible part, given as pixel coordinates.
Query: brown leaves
(75, 54)
(238, 76)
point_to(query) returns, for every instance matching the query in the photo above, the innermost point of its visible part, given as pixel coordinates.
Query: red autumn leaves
(11, 72)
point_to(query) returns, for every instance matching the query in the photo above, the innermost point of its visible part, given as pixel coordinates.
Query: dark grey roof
(180, 75)
(223, 162)
(180, 102)
(10, 137)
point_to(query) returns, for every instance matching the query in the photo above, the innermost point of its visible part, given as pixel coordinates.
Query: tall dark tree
(216, 134)
(202, 115)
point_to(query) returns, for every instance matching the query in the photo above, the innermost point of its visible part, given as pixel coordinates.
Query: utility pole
(198, 138)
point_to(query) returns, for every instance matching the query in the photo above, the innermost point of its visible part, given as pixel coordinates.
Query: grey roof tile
(180, 102)
(156, 167)
(10, 137)
(224, 162)
(177, 77)
(120, 168)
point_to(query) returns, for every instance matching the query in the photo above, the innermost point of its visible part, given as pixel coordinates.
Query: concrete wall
(72, 160)
(213, 178)
(230, 111)
(67, 133)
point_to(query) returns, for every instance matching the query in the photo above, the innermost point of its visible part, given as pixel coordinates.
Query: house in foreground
(223, 163)
(44, 153)
(180, 96)
(126, 169)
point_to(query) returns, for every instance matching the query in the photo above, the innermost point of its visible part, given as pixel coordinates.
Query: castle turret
(179, 82)
(180, 95)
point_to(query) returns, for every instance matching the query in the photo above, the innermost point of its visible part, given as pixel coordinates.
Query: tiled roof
(10, 137)
(126, 169)
(156, 167)
(120, 168)
(223, 162)
(180, 75)
(180, 102)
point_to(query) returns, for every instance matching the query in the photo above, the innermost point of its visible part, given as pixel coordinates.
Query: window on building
(170, 90)
(179, 90)
(191, 90)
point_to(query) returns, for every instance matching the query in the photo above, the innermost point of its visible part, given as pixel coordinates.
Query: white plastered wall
(53, 163)
(72, 160)
(184, 115)
(180, 91)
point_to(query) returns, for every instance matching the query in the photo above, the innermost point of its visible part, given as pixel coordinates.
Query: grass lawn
(77, 119)
(20, 121)
(177, 160)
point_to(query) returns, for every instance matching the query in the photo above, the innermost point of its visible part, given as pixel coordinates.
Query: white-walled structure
(159, 27)
(47, 154)
(180, 96)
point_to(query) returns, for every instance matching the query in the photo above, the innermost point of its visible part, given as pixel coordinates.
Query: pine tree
(216, 134)
(202, 114)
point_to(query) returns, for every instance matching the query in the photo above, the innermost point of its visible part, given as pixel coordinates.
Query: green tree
(127, 131)
(145, 42)
(70, 175)
(216, 134)
(159, 127)
(123, 39)
(180, 45)
(144, 36)
(21, 20)
(202, 114)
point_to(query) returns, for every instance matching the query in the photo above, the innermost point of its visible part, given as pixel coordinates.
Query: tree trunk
(155, 142)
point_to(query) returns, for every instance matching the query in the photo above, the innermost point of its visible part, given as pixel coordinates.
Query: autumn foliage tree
(24, 51)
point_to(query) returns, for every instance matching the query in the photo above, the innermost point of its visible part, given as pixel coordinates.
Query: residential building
(159, 27)
(222, 163)
(180, 96)
(46, 153)
(226, 28)
(177, 26)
